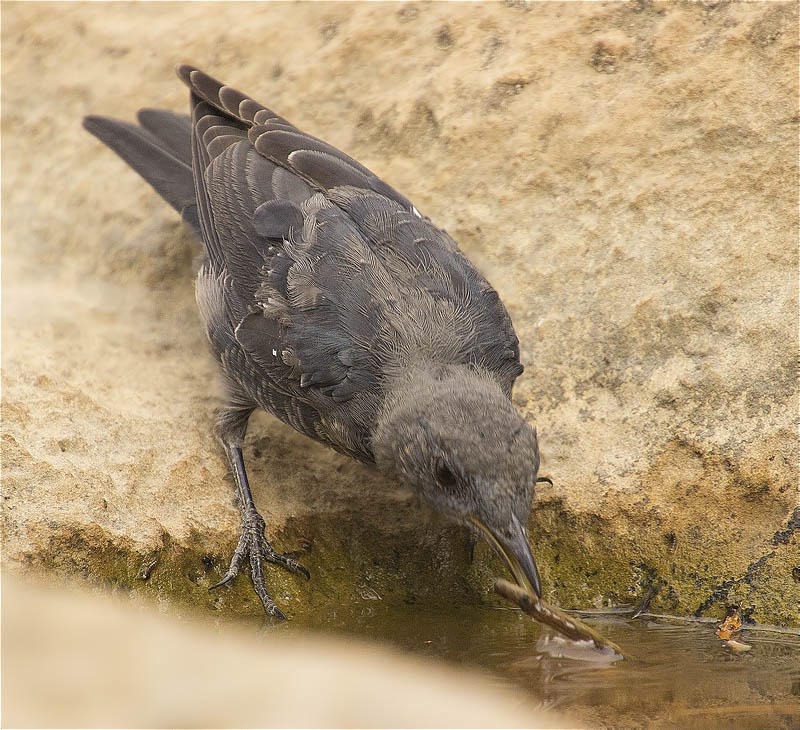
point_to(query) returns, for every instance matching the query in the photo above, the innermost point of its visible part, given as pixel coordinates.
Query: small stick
(565, 624)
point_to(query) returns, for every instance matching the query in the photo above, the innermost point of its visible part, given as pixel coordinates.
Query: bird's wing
(251, 291)
(316, 252)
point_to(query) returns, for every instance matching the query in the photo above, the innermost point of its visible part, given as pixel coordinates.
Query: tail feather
(174, 131)
(159, 150)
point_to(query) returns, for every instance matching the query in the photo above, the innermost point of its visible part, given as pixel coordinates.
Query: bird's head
(453, 436)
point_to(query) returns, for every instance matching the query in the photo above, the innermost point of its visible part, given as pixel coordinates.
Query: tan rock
(70, 660)
(626, 175)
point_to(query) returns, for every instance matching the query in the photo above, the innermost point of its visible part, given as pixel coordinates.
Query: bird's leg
(231, 427)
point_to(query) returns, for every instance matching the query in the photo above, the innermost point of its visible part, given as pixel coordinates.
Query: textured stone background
(625, 174)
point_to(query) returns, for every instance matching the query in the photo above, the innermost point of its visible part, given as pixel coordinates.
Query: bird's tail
(160, 150)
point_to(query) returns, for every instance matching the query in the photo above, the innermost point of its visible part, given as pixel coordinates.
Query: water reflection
(677, 674)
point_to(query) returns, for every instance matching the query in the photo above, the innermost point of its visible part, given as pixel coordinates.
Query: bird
(330, 301)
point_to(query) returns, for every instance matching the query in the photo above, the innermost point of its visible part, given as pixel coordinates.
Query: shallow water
(677, 672)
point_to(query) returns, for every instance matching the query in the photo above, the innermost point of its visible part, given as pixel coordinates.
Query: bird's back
(321, 283)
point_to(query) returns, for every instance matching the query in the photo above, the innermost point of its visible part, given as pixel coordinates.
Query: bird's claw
(253, 544)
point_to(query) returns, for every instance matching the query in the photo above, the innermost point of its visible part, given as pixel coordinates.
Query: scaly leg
(231, 427)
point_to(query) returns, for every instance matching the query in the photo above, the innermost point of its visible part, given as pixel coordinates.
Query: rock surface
(625, 174)
(74, 661)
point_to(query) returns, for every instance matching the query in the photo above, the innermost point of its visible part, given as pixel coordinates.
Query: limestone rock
(71, 660)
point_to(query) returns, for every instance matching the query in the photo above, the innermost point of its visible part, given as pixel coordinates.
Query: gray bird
(332, 303)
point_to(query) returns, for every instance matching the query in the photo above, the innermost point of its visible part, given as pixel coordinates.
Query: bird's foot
(254, 545)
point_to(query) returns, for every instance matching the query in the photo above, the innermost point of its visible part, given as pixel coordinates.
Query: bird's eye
(444, 476)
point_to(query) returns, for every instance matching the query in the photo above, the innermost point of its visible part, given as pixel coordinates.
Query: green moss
(363, 564)
(588, 561)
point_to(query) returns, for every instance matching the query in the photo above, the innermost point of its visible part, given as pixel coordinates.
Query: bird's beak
(512, 544)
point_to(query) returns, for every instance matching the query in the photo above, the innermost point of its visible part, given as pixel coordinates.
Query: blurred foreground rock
(71, 660)
(626, 175)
